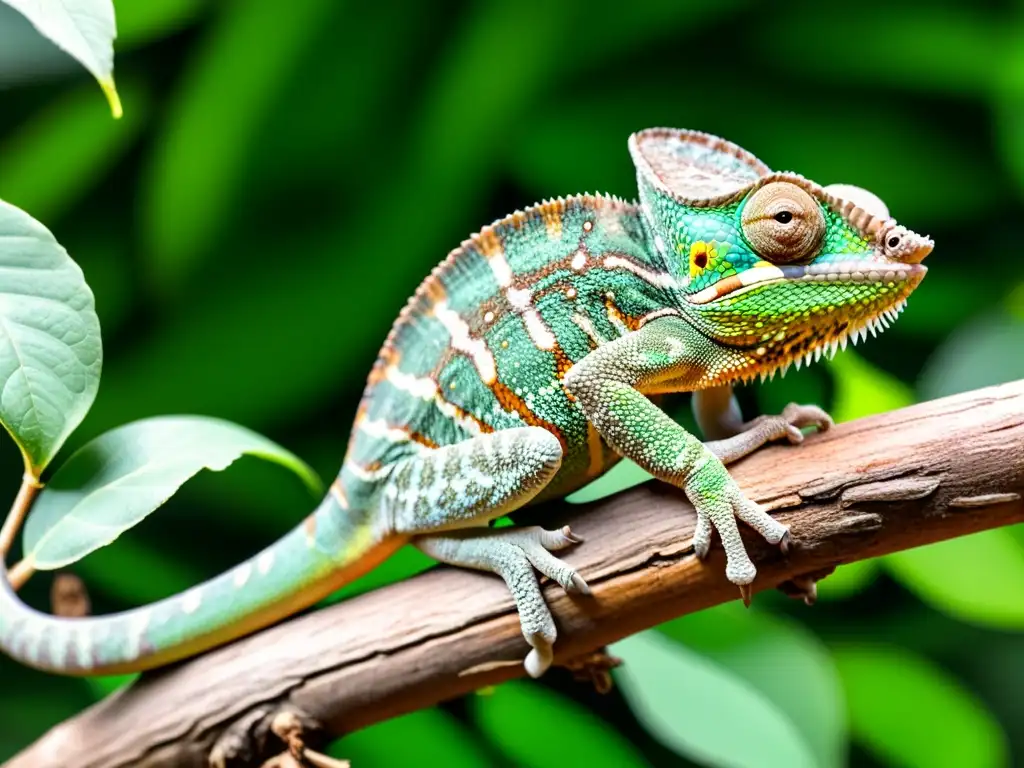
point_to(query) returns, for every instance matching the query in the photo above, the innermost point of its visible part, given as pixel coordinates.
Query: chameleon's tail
(330, 548)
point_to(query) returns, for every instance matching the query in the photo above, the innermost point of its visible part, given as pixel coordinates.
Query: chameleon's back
(484, 342)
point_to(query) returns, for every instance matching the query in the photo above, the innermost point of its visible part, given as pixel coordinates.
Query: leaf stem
(19, 574)
(30, 486)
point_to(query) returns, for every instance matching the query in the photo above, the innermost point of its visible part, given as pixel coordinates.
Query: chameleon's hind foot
(805, 586)
(766, 429)
(514, 554)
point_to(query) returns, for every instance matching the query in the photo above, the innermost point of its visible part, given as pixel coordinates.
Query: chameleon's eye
(783, 222)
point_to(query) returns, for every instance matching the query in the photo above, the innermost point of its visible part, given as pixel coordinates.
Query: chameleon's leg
(718, 414)
(513, 554)
(464, 486)
(609, 384)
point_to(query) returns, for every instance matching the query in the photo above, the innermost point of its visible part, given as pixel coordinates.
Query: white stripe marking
(463, 342)
(499, 266)
(242, 574)
(379, 429)
(265, 562)
(192, 600)
(660, 279)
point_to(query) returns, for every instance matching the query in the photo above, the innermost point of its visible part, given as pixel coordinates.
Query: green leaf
(787, 664)
(50, 348)
(984, 351)
(46, 172)
(199, 161)
(115, 481)
(85, 29)
(909, 713)
(141, 23)
(427, 737)
(703, 711)
(848, 580)
(536, 728)
(977, 578)
(623, 475)
(861, 389)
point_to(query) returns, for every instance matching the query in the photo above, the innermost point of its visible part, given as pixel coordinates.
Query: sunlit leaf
(623, 475)
(115, 481)
(45, 171)
(199, 162)
(50, 349)
(427, 737)
(950, 50)
(909, 713)
(694, 706)
(104, 685)
(141, 23)
(536, 728)
(977, 578)
(848, 580)
(986, 350)
(861, 389)
(787, 665)
(404, 564)
(85, 29)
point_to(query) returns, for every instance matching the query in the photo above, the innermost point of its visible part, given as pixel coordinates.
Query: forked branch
(890, 482)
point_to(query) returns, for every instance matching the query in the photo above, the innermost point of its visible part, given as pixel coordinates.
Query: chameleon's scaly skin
(521, 370)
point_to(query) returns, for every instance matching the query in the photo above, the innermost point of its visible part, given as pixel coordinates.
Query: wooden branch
(915, 476)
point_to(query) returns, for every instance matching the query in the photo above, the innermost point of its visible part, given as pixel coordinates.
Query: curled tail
(333, 546)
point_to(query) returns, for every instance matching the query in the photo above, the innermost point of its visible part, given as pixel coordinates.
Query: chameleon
(530, 361)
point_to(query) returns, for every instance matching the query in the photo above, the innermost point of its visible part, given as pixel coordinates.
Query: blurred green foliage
(284, 176)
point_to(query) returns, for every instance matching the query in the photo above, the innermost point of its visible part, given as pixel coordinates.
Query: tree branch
(915, 476)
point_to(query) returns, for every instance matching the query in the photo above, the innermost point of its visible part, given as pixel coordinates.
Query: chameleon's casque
(521, 370)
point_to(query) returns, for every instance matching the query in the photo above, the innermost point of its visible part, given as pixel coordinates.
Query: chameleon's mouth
(853, 272)
(803, 313)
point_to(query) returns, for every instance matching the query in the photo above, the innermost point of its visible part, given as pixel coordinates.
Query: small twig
(30, 486)
(287, 725)
(20, 573)
(594, 668)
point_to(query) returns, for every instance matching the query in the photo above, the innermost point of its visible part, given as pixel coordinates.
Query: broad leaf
(50, 348)
(787, 664)
(849, 580)
(537, 728)
(909, 713)
(977, 578)
(115, 481)
(85, 29)
(427, 737)
(46, 173)
(863, 390)
(984, 351)
(701, 710)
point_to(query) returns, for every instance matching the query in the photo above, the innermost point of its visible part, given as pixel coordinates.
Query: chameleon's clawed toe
(745, 593)
(785, 543)
(538, 660)
(579, 585)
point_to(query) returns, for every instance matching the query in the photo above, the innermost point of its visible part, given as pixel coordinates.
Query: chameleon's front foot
(514, 554)
(719, 501)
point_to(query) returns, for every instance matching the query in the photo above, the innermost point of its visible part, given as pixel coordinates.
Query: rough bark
(869, 487)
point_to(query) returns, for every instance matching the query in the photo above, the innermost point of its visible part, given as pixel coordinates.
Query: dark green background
(286, 173)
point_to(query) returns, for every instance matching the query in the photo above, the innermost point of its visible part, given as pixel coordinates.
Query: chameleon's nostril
(916, 254)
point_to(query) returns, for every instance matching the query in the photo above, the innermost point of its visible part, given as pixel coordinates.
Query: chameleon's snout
(898, 243)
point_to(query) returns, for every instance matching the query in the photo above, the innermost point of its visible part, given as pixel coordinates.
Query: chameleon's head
(771, 265)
